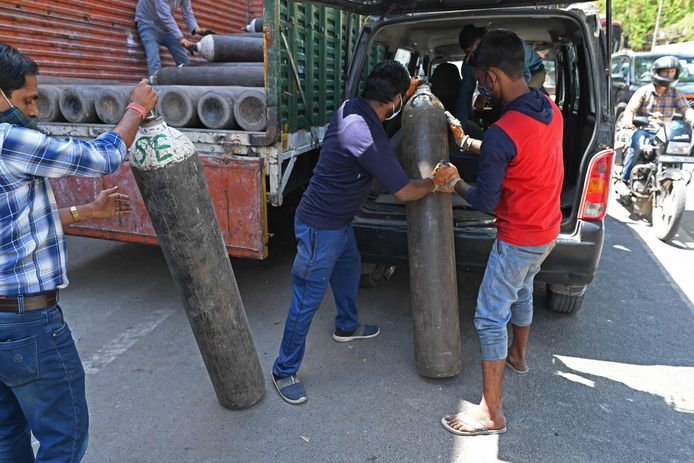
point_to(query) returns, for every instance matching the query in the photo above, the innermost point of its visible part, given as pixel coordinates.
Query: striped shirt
(32, 246)
(646, 102)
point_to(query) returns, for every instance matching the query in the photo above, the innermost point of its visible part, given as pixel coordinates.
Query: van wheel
(373, 275)
(565, 298)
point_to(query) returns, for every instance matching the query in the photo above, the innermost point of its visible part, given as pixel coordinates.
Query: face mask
(485, 91)
(16, 117)
(395, 113)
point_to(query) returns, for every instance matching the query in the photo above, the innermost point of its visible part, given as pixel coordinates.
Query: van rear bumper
(573, 261)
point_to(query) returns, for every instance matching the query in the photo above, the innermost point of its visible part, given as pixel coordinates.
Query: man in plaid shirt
(658, 100)
(41, 376)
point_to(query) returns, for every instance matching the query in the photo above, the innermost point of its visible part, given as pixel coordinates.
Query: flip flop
(479, 428)
(516, 370)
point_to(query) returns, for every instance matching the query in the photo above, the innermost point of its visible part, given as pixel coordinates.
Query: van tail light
(596, 189)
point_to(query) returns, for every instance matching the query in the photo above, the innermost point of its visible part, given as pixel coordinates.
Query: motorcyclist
(657, 101)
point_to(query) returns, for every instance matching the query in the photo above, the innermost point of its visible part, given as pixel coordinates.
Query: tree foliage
(638, 19)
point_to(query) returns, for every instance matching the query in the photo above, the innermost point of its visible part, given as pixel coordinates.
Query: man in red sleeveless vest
(519, 180)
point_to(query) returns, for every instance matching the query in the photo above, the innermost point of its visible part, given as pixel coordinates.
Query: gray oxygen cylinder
(433, 282)
(171, 181)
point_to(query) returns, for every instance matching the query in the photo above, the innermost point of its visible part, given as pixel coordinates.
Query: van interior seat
(445, 84)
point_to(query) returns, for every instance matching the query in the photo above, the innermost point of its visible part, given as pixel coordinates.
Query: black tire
(565, 303)
(374, 275)
(668, 214)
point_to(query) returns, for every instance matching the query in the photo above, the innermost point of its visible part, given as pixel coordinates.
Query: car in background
(632, 70)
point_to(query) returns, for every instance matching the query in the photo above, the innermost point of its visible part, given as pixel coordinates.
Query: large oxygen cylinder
(77, 103)
(178, 105)
(213, 74)
(111, 102)
(227, 107)
(433, 282)
(231, 48)
(49, 103)
(170, 178)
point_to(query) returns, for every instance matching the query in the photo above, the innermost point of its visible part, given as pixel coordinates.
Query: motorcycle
(657, 186)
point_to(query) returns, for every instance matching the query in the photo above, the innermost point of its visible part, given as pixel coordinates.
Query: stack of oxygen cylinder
(227, 93)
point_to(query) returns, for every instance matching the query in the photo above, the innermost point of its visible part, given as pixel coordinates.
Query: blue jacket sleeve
(188, 15)
(532, 61)
(496, 152)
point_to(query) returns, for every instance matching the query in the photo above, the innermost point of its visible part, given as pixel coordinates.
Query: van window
(404, 57)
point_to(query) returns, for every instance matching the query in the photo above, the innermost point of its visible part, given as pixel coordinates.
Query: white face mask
(395, 113)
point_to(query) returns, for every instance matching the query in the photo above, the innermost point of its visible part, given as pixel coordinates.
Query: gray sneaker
(361, 332)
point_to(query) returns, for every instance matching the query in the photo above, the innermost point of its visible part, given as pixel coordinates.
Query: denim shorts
(506, 294)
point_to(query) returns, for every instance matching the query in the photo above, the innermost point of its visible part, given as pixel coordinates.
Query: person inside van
(469, 37)
(519, 181)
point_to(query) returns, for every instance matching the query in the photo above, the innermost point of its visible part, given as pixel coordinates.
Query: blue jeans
(41, 389)
(506, 294)
(151, 39)
(322, 257)
(634, 152)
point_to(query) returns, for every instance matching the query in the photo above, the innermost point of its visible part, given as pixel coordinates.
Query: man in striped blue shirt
(41, 376)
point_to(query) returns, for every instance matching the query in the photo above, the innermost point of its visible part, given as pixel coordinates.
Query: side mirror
(618, 78)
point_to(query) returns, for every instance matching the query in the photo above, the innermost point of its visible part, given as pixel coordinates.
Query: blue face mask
(485, 91)
(15, 116)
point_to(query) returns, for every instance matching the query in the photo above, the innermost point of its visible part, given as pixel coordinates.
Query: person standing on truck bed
(468, 39)
(520, 179)
(41, 376)
(355, 149)
(157, 26)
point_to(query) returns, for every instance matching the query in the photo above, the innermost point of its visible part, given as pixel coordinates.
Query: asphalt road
(612, 383)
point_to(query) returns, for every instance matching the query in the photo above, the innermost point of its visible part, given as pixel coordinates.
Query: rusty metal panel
(236, 186)
(97, 39)
(255, 9)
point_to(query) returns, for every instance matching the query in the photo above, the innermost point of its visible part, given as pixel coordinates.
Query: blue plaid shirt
(32, 247)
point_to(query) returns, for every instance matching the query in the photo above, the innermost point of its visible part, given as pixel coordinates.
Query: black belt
(31, 301)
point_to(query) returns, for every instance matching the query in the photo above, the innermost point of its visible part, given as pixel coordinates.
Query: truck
(307, 49)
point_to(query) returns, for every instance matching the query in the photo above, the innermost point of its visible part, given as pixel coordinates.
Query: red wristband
(138, 108)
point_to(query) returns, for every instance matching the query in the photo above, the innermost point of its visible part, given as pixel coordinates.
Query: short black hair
(469, 34)
(503, 49)
(387, 79)
(15, 66)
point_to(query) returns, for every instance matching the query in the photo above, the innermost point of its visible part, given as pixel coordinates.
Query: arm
(165, 16)
(633, 107)
(107, 204)
(496, 152)
(32, 154)
(464, 142)
(683, 107)
(143, 95)
(415, 189)
(188, 16)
